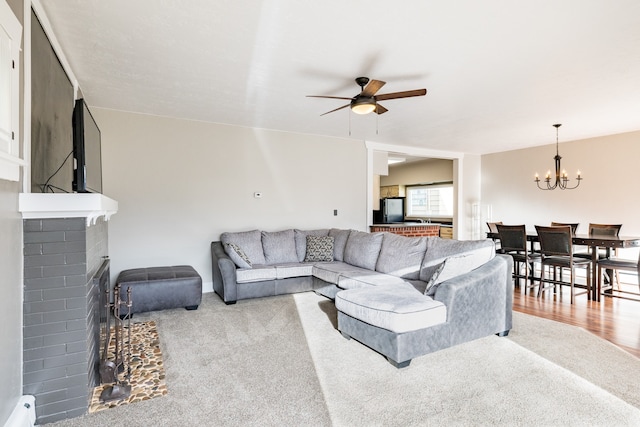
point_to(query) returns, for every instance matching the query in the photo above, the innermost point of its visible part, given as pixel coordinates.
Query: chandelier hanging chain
(561, 175)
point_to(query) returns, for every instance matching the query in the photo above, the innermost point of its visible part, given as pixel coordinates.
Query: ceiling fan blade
(380, 109)
(372, 87)
(405, 94)
(330, 97)
(339, 108)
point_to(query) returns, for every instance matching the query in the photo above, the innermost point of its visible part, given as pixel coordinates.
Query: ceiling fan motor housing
(363, 104)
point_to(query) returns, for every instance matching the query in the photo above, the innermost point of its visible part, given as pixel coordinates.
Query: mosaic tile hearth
(147, 369)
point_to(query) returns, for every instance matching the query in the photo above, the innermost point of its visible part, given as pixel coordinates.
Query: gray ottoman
(159, 288)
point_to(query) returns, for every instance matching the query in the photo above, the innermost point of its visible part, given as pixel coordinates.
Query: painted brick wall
(61, 313)
(411, 231)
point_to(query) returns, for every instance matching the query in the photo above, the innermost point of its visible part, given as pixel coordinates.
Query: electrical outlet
(335, 212)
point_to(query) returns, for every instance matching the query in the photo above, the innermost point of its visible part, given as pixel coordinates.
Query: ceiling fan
(367, 101)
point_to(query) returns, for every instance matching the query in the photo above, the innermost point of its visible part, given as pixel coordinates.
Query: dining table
(594, 243)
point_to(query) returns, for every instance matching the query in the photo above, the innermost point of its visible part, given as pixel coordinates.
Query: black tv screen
(87, 174)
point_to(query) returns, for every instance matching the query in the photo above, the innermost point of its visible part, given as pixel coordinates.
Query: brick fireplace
(65, 248)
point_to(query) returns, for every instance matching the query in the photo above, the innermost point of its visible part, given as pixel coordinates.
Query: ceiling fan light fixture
(363, 105)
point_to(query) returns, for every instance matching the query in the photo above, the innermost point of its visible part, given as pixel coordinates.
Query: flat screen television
(87, 174)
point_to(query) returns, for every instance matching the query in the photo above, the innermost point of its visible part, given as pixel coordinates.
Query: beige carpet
(279, 361)
(491, 381)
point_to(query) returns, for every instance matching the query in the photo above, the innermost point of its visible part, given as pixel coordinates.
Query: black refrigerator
(391, 210)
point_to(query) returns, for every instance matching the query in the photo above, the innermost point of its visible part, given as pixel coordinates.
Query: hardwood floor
(614, 319)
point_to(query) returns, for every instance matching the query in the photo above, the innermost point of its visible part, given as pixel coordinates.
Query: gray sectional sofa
(401, 296)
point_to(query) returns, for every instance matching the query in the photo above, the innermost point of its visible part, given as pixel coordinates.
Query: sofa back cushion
(362, 249)
(301, 240)
(250, 242)
(438, 250)
(279, 247)
(401, 256)
(340, 238)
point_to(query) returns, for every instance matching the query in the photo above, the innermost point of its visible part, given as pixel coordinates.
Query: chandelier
(561, 174)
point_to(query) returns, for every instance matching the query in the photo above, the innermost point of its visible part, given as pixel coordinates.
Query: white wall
(607, 194)
(179, 184)
(468, 192)
(11, 271)
(11, 265)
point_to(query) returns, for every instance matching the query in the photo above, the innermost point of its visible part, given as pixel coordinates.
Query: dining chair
(513, 242)
(573, 225)
(493, 229)
(493, 226)
(617, 264)
(603, 230)
(556, 249)
(574, 228)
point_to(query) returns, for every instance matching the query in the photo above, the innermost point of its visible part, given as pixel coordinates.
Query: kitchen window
(431, 200)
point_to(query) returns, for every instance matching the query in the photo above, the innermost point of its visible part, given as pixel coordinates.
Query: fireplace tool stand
(120, 361)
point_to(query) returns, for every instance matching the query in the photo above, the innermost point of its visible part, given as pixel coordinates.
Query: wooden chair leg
(542, 277)
(598, 279)
(573, 271)
(590, 284)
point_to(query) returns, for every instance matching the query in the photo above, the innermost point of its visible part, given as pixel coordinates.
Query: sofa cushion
(362, 249)
(258, 273)
(249, 241)
(319, 249)
(401, 256)
(367, 278)
(439, 249)
(395, 308)
(294, 269)
(237, 255)
(301, 240)
(279, 247)
(457, 265)
(340, 238)
(330, 272)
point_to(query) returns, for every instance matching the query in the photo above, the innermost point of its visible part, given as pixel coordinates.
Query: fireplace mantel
(62, 205)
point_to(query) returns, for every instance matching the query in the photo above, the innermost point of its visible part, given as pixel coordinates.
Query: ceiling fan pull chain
(349, 122)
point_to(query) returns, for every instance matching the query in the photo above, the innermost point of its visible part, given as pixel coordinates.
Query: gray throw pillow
(458, 265)
(237, 255)
(319, 249)
(439, 249)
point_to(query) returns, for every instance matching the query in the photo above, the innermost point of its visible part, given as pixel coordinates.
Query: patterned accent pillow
(319, 248)
(455, 266)
(432, 284)
(237, 255)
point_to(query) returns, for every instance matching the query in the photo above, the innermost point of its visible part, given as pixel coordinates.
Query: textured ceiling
(498, 73)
